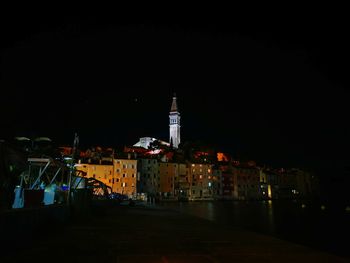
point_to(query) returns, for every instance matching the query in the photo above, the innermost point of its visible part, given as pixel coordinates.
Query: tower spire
(174, 104)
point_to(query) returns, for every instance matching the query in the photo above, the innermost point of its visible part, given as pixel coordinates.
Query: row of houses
(187, 180)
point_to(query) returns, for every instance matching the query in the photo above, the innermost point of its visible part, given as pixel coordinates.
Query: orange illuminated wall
(103, 173)
(125, 176)
(167, 172)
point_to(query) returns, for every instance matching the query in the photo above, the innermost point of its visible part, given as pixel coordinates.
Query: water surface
(305, 223)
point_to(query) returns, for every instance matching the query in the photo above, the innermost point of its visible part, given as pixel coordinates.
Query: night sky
(277, 93)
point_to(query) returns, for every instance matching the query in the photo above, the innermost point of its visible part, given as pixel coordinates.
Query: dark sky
(274, 92)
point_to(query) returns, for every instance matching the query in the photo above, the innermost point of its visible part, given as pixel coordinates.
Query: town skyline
(262, 93)
(207, 136)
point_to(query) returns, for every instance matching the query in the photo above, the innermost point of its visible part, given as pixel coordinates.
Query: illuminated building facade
(100, 172)
(168, 177)
(182, 182)
(201, 181)
(121, 176)
(125, 177)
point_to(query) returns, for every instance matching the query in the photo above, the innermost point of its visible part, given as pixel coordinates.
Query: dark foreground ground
(151, 234)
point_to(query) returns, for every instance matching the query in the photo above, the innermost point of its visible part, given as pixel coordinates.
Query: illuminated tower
(174, 124)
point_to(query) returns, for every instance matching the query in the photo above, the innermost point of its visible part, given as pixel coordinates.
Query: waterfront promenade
(153, 234)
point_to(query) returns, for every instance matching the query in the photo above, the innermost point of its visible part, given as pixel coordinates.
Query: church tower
(174, 124)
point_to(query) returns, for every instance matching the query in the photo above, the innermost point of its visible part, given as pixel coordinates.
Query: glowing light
(269, 192)
(209, 184)
(221, 157)
(156, 151)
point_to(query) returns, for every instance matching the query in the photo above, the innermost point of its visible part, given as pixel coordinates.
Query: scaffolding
(44, 182)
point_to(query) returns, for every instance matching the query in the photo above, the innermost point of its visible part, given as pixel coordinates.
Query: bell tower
(174, 124)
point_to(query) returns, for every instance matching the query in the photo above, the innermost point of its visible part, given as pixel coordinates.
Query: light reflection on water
(270, 216)
(299, 222)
